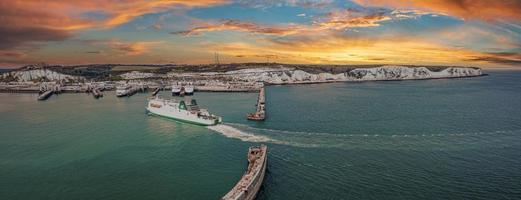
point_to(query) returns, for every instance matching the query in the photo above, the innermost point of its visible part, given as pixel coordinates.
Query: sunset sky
(484, 33)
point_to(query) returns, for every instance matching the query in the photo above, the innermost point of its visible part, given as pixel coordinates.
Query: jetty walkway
(260, 112)
(250, 183)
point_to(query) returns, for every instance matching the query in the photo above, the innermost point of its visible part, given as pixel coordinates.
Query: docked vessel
(45, 95)
(125, 90)
(176, 90)
(96, 93)
(189, 89)
(156, 91)
(250, 183)
(181, 111)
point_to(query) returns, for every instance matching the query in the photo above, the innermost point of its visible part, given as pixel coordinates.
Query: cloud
(465, 9)
(484, 38)
(337, 49)
(12, 54)
(132, 48)
(331, 21)
(12, 37)
(123, 47)
(344, 20)
(27, 21)
(237, 25)
(412, 14)
(264, 4)
(504, 58)
(123, 12)
(11, 58)
(93, 52)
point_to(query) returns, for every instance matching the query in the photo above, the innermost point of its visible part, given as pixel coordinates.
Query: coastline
(35, 79)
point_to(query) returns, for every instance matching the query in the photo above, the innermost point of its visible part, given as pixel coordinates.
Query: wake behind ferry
(181, 111)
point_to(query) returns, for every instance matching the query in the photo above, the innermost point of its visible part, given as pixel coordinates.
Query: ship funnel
(182, 105)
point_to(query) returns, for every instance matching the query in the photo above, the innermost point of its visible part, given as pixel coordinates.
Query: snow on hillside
(37, 74)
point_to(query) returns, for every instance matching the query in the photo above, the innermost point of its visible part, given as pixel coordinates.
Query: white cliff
(289, 76)
(270, 75)
(408, 73)
(140, 75)
(39, 74)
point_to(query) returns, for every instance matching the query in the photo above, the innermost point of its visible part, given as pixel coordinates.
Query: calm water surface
(432, 139)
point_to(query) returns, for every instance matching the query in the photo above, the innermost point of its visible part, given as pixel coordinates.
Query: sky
(483, 33)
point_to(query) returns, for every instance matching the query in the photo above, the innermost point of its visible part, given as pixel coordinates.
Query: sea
(418, 139)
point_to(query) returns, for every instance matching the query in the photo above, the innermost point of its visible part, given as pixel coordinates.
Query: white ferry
(189, 89)
(181, 111)
(125, 90)
(176, 90)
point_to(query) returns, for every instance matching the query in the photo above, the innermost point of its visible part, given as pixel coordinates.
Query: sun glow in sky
(484, 33)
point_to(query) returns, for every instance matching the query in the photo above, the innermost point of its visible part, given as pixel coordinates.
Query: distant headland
(239, 75)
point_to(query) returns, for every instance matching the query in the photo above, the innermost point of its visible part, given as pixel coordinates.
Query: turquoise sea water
(430, 139)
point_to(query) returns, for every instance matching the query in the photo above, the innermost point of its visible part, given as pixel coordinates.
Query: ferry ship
(125, 90)
(176, 90)
(189, 89)
(179, 110)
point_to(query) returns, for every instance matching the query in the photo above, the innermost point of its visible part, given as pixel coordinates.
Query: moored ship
(189, 89)
(251, 181)
(181, 111)
(125, 90)
(176, 90)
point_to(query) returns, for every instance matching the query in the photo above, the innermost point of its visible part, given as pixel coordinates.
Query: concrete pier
(250, 183)
(260, 113)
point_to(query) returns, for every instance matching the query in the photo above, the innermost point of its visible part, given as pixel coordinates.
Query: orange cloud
(332, 21)
(26, 21)
(237, 25)
(14, 54)
(127, 48)
(505, 58)
(342, 50)
(124, 12)
(132, 48)
(343, 20)
(475, 9)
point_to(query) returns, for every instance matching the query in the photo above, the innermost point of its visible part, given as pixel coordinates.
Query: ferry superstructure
(181, 111)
